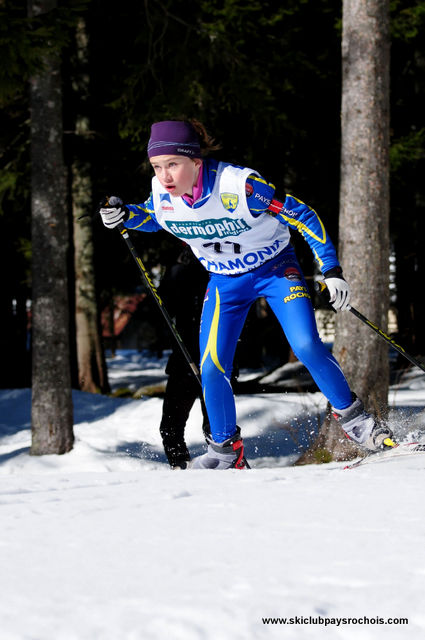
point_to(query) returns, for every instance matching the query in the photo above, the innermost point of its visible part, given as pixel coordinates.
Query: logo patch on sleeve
(291, 273)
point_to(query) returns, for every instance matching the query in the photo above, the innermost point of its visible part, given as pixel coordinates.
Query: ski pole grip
(323, 292)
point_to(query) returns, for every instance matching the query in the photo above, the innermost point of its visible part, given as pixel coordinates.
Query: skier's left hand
(339, 290)
(113, 212)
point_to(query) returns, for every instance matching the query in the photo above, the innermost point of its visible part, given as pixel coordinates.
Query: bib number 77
(219, 248)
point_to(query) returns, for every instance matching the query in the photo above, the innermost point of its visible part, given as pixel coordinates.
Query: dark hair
(207, 143)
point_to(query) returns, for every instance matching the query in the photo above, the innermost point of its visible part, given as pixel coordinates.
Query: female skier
(221, 211)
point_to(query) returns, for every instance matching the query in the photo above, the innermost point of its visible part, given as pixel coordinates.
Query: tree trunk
(410, 269)
(92, 372)
(52, 412)
(364, 214)
(364, 196)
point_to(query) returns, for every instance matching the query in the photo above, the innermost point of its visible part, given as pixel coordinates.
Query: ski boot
(175, 447)
(180, 466)
(223, 455)
(362, 428)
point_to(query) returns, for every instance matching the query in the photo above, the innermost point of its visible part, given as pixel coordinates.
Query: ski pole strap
(322, 289)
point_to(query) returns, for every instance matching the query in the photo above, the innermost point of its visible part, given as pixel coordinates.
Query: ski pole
(148, 281)
(322, 289)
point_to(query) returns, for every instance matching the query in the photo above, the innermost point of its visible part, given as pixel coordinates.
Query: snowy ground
(107, 543)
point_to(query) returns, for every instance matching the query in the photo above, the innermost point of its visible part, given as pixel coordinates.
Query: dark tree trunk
(92, 372)
(52, 411)
(364, 196)
(364, 212)
(410, 269)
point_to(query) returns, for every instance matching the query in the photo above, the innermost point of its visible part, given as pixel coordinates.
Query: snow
(107, 543)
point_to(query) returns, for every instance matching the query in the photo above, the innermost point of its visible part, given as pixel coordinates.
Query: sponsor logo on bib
(241, 264)
(207, 228)
(165, 202)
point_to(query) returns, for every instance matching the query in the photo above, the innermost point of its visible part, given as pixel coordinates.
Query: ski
(403, 449)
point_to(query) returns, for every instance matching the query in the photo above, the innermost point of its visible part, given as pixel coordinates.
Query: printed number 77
(218, 248)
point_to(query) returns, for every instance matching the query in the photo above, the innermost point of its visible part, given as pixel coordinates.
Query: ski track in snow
(107, 543)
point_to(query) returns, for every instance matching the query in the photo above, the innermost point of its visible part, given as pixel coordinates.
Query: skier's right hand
(113, 211)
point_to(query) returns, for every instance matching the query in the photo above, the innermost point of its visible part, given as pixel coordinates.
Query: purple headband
(174, 137)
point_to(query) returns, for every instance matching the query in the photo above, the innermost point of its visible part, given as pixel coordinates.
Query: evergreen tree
(364, 210)
(364, 195)
(92, 373)
(407, 168)
(52, 411)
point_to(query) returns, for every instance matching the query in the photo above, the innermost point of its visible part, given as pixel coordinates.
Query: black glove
(113, 211)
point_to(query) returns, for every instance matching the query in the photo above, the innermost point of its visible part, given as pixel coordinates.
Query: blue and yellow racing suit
(215, 227)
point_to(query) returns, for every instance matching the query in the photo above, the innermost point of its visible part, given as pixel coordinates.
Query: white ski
(404, 449)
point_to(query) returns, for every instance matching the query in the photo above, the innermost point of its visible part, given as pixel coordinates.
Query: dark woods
(265, 78)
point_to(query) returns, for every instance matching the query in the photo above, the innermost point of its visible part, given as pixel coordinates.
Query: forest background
(266, 81)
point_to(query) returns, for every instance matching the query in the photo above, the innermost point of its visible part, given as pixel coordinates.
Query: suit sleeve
(259, 194)
(142, 217)
(297, 215)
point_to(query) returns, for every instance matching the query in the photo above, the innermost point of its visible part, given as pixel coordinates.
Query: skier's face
(177, 174)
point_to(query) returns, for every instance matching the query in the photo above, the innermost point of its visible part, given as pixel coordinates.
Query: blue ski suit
(248, 255)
